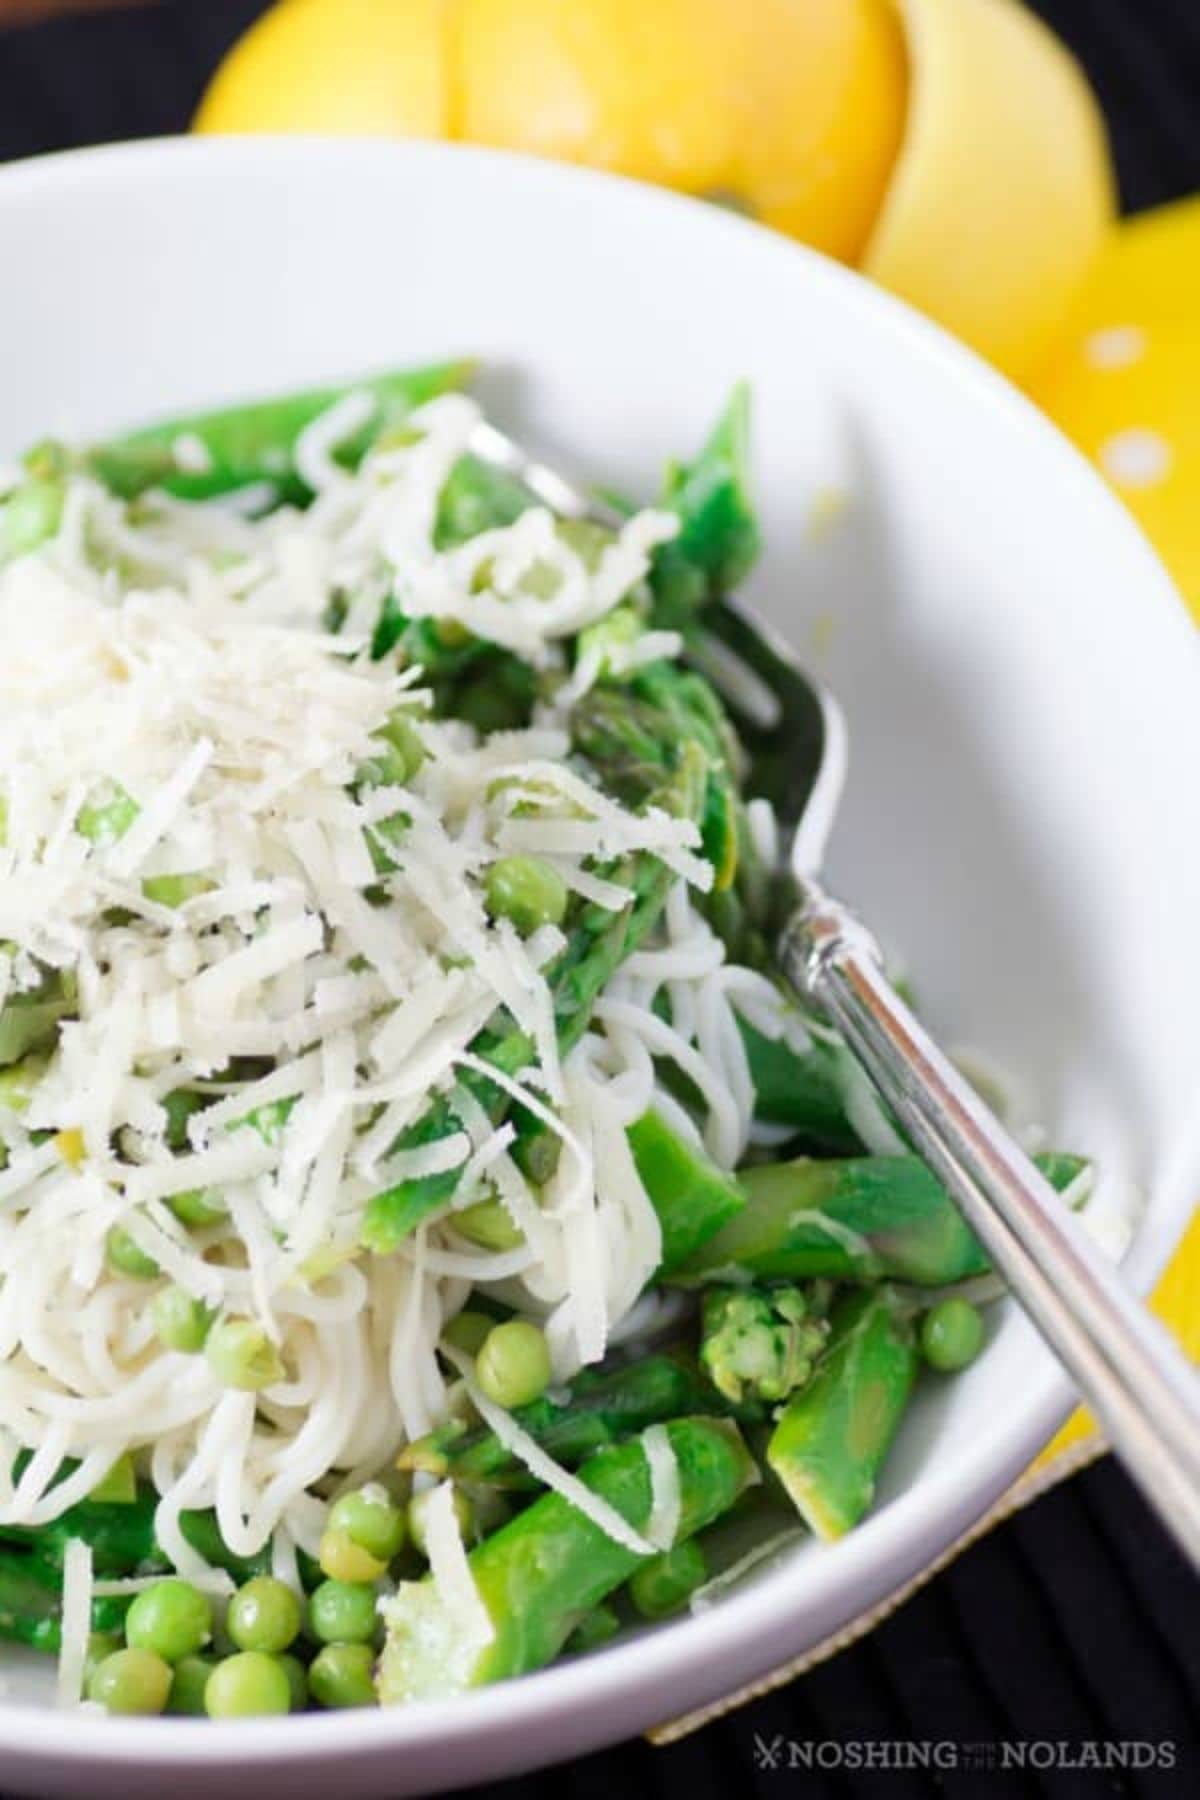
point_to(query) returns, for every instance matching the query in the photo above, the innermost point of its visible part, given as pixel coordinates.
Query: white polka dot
(1136, 459)
(1115, 347)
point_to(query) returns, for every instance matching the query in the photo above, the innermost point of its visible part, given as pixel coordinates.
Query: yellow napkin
(1124, 383)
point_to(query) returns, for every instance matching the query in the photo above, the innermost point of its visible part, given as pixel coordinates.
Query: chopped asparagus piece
(859, 1219)
(832, 1437)
(542, 1573)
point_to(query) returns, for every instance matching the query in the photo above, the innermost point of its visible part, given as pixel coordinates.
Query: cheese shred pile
(198, 867)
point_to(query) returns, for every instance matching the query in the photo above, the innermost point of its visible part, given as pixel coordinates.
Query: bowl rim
(746, 1636)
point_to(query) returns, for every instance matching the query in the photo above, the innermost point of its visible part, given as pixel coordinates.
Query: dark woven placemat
(1069, 1637)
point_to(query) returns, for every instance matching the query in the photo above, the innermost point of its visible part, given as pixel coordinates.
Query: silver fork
(1127, 1367)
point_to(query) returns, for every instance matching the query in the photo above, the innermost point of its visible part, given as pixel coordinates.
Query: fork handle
(1127, 1367)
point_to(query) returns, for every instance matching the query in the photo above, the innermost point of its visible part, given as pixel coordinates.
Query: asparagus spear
(691, 1195)
(252, 443)
(832, 1437)
(31, 1604)
(122, 1539)
(857, 1219)
(541, 1574)
(800, 1090)
(603, 1407)
(718, 538)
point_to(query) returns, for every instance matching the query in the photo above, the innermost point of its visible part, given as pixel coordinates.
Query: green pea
(130, 1681)
(182, 1322)
(370, 1520)
(264, 1615)
(464, 1512)
(513, 1364)
(188, 1682)
(400, 755)
(466, 1331)
(489, 1224)
(172, 1618)
(951, 1334)
(343, 1612)
(527, 891)
(247, 1685)
(343, 1675)
(198, 1207)
(124, 1257)
(100, 1645)
(175, 890)
(241, 1355)
(344, 1560)
(107, 818)
(663, 1584)
(297, 1678)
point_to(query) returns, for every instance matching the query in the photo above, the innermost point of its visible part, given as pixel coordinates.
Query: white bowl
(1021, 684)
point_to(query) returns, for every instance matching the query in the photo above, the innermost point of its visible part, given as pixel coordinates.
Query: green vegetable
(342, 1559)
(246, 1686)
(106, 819)
(182, 1322)
(860, 1219)
(343, 1675)
(119, 1486)
(29, 1022)
(264, 1615)
(253, 443)
(197, 1207)
(131, 1681)
(540, 1575)
(175, 890)
(31, 516)
(297, 1680)
(19, 1082)
(489, 1224)
(371, 1521)
(951, 1334)
(594, 1629)
(476, 498)
(401, 754)
(513, 1364)
(122, 1542)
(172, 1618)
(718, 539)
(527, 891)
(760, 1342)
(189, 1678)
(343, 1612)
(602, 1407)
(693, 1198)
(466, 1332)
(125, 1257)
(804, 1091)
(664, 1584)
(832, 1437)
(242, 1355)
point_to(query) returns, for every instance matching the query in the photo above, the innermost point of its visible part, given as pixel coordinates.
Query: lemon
(1003, 190)
(362, 67)
(1125, 382)
(789, 109)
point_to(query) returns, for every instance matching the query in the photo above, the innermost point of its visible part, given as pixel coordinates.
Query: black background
(1074, 1622)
